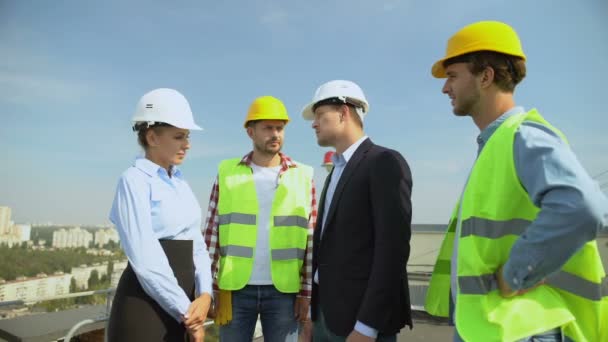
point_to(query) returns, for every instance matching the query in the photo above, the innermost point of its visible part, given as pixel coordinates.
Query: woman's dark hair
(142, 129)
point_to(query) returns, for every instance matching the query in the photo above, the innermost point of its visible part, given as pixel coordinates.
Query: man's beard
(266, 149)
(466, 105)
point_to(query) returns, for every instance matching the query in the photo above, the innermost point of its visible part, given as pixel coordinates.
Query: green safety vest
(496, 210)
(238, 225)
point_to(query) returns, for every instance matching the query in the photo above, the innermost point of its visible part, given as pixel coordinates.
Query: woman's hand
(197, 333)
(197, 312)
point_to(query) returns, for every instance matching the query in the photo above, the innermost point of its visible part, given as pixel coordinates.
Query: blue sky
(71, 73)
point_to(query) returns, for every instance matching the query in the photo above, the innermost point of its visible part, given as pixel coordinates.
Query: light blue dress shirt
(148, 206)
(340, 161)
(572, 207)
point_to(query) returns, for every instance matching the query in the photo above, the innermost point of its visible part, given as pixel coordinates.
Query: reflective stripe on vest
(237, 218)
(493, 229)
(291, 221)
(288, 254)
(237, 251)
(481, 285)
(484, 284)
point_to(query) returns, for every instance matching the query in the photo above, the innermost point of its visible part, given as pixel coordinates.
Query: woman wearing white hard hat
(165, 292)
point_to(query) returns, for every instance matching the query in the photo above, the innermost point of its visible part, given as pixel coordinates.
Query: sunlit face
(463, 89)
(327, 124)
(267, 136)
(168, 145)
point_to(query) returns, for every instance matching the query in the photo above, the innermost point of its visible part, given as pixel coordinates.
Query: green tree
(73, 286)
(112, 245)
(17, 261)
(94, 279)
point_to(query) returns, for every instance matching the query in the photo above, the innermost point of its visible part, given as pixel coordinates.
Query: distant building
(30, 289)
(10, 240)
(82, 273)
(103, 236)
(119, 267)
(5, 220)
(72, 238)
(25, 231)
(11, 234)
(99, 252)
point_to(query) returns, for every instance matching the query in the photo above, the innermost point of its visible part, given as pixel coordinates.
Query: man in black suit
(361, 241)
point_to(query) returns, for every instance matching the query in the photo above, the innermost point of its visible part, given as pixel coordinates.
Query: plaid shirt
(212, 231)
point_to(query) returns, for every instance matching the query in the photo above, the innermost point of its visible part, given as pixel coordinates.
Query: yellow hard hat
(266, 108)
(481, 36)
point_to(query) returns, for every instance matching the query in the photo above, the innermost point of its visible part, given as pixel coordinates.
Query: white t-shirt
(266, 181)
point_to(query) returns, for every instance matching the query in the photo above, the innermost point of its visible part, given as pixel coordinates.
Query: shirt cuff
(182, 308)
(366, 330)
(203, 286)
(514, 279)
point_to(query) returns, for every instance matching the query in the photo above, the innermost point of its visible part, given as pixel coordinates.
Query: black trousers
(135, 316)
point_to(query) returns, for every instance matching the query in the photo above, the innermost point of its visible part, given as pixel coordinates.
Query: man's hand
(503, 286)
(506, 291)
(306, 331)
(356, 336)
(301, 308)
(197, 312)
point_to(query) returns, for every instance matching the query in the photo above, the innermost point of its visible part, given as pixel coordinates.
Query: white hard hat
(167, 106)
(337, 92)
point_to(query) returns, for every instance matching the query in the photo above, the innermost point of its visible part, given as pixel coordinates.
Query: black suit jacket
(361, 255)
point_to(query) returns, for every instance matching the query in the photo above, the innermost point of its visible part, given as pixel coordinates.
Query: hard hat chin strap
(339, 100)
(360, 112)
(356, 104)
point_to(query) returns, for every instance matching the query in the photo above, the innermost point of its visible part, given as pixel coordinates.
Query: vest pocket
(534, 312)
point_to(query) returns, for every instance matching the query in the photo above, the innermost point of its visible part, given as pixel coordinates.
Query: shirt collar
(286, 162)
(153, 169)
(487, 132)
(348, 153)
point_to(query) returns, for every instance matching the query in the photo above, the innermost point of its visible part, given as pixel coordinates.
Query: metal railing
(85, 322)
(109, 292)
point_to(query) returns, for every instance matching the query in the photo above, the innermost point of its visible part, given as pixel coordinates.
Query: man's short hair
(508, 70)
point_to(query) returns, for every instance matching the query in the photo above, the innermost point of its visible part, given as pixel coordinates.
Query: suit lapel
(321, 207)
(349, 170)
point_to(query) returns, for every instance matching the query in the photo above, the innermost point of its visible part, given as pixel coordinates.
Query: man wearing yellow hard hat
(259, 231)
(519, 261)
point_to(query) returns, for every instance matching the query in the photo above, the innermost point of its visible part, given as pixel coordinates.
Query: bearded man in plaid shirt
(259, 231)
